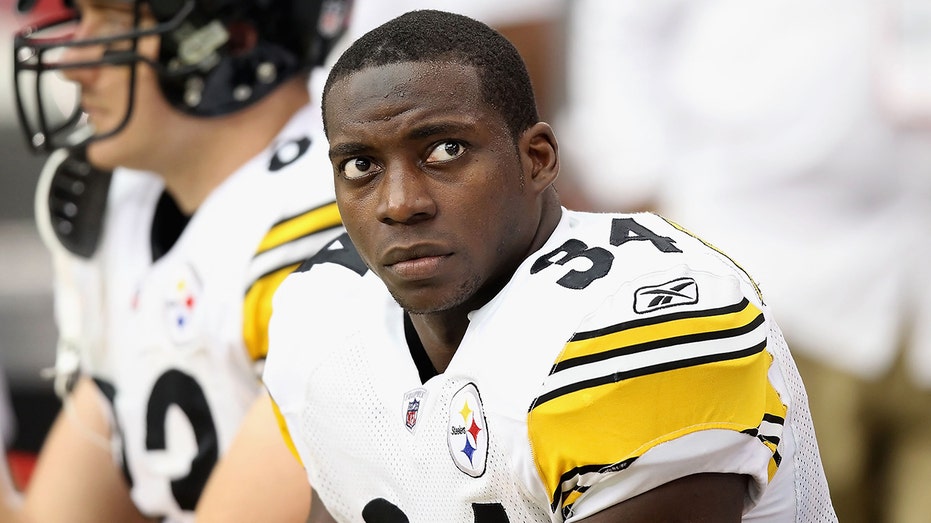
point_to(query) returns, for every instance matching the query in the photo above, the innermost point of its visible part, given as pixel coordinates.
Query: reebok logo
(681, 291)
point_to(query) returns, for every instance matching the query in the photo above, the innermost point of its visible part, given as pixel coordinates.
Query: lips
(397, 255)
(417, 262)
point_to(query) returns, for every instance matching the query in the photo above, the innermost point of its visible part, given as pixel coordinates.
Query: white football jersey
(624, 354)
(175, 343)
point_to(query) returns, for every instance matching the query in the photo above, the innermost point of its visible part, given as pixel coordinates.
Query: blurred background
(796, 137)
(27, 327)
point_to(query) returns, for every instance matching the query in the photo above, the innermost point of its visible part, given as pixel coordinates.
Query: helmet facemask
(215, 57)
(49, 105)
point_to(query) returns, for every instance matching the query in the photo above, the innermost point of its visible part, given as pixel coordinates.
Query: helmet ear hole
(243, 38)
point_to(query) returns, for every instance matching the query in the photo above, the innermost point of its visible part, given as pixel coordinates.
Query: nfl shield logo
(412, 401)
(412, 407)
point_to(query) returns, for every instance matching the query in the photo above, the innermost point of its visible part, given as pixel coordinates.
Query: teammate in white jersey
(187, 179)
(487, 355)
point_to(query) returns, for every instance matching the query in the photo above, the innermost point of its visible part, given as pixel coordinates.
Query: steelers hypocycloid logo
(468, 434)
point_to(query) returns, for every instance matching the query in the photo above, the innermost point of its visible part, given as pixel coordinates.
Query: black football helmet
(205, 67)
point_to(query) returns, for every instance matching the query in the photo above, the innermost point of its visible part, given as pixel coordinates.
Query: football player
(187, 176)
(528, 362)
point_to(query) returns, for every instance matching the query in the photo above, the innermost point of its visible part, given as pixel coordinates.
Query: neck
(440, 334)
(214, 148)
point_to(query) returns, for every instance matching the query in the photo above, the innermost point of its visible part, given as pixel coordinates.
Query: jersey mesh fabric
(405, 461)
(813, 505)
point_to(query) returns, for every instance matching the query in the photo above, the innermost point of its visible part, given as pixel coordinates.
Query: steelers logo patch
(182, 306)
(468, 433)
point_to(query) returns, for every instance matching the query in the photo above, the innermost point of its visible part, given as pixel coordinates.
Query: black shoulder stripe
(660, 343)
(642, 322)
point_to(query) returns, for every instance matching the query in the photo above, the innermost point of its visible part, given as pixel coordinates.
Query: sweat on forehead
(438, 36)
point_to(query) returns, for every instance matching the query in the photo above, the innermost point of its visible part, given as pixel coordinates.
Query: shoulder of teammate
(672, 347)
(294, 184)
(296, 179)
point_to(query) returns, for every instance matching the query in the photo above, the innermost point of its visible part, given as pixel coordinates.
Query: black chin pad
(77, 202)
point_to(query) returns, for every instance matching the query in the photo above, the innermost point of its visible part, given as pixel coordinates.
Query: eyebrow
(428, 130)
(417, 133)
(347, 149)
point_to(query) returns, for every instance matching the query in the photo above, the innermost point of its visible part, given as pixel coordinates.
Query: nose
(77, 54)
(84, 75)
(404, 195)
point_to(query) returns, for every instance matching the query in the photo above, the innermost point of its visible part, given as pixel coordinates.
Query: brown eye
(445, 151)
(357, 168)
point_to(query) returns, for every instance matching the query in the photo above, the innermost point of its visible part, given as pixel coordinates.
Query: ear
(540, 155)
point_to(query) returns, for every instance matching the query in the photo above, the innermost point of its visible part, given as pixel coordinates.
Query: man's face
(106, 90)
(429, 183)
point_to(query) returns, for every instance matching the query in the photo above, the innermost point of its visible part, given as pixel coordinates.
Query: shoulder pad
(71, 201)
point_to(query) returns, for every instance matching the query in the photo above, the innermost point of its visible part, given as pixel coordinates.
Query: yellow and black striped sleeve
(286, 244)
(617, 392)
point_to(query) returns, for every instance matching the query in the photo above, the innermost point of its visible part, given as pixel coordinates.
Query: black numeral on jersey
(489, 513)
(600, 259)
(383, 511)
(177, 388)
(623, 230)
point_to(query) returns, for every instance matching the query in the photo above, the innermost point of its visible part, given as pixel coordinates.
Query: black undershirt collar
(418, 353)
(167, 225)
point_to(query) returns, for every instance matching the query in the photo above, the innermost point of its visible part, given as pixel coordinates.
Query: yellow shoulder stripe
(257, 305)
(258, 311)
(309, 222)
